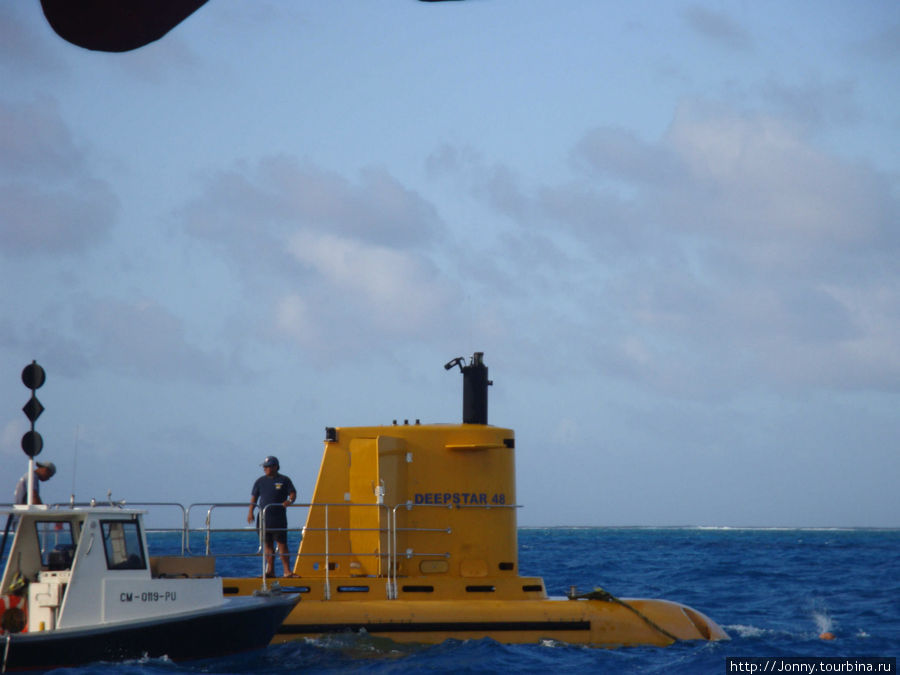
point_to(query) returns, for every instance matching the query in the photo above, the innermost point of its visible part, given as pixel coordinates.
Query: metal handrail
(393, 548)
(327, 588)
(327, 530)
(392, 530)
(184, 520)
(123, 504)
(208, 521)
(393, 553)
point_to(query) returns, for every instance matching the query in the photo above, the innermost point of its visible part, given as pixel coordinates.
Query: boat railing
(387, 560)
(211, 510)
(208, 509)
(391, 532)
(395, 530)
(328, 530)
(182, 531)
(393, 556)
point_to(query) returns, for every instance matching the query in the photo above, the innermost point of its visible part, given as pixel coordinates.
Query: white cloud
(143, 338)
(279, 195)
(34, 219)
(399, 292)
(23, 41)
(296, 320)
(340, 256)
(718, 27)
(11, 438)
(49, 200)
(729, 253)
(753, 180)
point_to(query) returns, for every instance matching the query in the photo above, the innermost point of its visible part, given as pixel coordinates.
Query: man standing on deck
(42, 472)
(276, 492)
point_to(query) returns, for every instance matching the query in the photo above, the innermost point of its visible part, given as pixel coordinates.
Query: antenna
(75, 461)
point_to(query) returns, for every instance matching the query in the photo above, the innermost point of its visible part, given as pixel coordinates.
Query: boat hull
(242, 624)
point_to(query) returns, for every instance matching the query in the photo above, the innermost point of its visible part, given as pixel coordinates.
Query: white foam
(746, 631)
(823, 620)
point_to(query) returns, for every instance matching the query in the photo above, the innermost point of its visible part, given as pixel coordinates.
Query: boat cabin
(80, 566)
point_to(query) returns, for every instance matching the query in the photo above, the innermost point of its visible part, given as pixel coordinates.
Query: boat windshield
(122, 541)
(57, 544)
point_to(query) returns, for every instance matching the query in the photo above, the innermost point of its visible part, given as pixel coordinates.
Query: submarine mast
(475, 384)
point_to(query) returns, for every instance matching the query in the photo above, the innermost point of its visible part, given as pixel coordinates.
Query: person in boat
(277, 492)
(43, 471)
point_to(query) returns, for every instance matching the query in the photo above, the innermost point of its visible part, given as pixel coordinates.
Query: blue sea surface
(774, 591)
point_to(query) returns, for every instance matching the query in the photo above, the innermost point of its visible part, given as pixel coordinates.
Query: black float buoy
(33, 377)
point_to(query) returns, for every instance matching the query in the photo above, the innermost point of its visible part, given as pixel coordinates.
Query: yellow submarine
(411, 535)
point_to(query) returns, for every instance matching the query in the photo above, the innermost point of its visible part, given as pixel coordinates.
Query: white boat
(79, 587)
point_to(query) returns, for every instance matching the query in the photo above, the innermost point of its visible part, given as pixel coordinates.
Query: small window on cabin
(122, 542)
(57, 544)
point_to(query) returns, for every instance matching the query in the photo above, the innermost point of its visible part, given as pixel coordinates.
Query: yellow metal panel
(364, 515)
(473, 568)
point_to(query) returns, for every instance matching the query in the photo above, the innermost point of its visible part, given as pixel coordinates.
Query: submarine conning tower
(424, 501)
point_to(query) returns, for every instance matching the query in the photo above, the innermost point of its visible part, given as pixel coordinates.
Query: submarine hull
(600, 623)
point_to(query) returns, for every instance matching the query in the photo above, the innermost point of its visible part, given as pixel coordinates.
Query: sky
(672, 228)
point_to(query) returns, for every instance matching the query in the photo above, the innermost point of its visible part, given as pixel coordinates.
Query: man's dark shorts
(276, 526)
(280, 537)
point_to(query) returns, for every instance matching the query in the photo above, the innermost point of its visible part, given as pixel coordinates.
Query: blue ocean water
(774, 591)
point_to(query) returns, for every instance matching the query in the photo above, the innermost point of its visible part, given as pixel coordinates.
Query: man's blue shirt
(273, 490)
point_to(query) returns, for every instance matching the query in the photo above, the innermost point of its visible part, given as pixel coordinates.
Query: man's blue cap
(271, 460)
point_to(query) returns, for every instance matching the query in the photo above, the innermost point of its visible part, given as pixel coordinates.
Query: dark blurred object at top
(116, 25)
